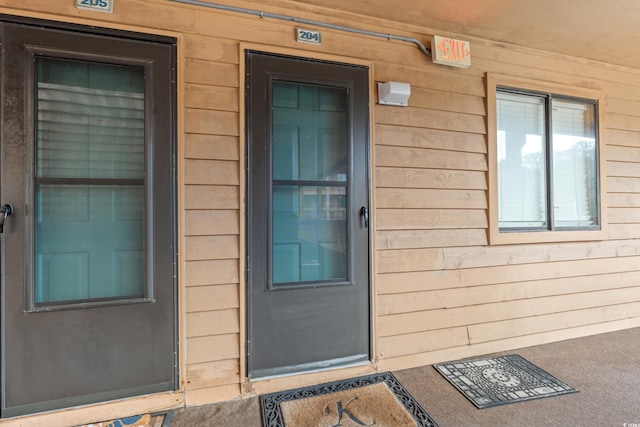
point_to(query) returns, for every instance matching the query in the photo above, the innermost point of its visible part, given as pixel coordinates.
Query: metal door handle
(364, 214)
(7, 210)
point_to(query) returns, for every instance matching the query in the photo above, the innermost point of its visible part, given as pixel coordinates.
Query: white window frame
(498, 237)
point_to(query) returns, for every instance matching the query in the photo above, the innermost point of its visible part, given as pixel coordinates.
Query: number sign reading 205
(308, 36)
(100, 5)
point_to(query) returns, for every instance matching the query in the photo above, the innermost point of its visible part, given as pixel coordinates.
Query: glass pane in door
(310, 170)
(89, 181)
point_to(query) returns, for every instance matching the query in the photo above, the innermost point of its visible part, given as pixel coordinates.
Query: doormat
(373, 400)
(501, 380)
(147, 420)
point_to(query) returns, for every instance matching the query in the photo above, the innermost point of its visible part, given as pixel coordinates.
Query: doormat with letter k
(501, 380)
(373, 400)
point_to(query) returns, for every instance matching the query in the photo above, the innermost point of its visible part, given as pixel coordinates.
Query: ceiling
(602, 30)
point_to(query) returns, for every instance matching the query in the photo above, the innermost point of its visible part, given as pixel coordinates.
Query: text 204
(309, 36)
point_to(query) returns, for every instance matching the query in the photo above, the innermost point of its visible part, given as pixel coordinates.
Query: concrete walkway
(604, 368)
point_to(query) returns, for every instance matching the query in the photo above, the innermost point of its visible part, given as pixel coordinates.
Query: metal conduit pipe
(307, 22)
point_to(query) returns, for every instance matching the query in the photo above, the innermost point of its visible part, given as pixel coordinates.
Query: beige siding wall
(440, 291)
(451, 295)
(212, 218)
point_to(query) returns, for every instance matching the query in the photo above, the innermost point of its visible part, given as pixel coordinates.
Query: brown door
(87, 257)
(308, 206)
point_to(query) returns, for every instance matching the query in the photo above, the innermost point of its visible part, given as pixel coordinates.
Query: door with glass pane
(308, 237)
(87, 256)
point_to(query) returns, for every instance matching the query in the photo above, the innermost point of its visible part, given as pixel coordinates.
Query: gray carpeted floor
(605, 368)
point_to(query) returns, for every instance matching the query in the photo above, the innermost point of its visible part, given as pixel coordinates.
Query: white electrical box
(394, 93)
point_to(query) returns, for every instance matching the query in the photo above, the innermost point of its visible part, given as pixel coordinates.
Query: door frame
(261, 385)
(177, 337)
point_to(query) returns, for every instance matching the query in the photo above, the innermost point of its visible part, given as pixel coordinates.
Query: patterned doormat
(501, 380)
(374, 400)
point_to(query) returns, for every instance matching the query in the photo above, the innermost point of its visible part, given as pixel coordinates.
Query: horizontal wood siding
(441, 291)
(212, 246)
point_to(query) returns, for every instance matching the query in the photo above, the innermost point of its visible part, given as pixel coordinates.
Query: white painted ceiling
(602, 30)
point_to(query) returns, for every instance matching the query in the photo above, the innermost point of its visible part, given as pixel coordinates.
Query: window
(545, 163)
(101, 155)
(89, 181)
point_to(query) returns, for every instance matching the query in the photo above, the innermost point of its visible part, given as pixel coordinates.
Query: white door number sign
(308, 36)
(99, 5)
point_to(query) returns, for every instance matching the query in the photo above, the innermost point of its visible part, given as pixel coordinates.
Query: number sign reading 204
(99, 5)
(308, 36)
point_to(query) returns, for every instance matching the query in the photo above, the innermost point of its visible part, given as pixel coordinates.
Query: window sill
(514, 238)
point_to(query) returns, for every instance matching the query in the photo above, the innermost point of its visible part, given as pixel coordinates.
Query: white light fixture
(394, 93)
